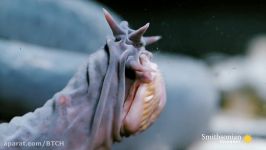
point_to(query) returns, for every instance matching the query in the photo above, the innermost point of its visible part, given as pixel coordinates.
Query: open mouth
(144, 102)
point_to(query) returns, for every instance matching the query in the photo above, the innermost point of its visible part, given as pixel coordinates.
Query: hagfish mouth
(144, 103)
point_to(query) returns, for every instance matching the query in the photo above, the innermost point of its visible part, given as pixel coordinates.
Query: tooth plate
(150, 103)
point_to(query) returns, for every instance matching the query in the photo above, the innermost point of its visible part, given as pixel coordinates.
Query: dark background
(196, 28)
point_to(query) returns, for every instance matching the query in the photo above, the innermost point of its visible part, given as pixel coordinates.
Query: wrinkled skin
(117, 92)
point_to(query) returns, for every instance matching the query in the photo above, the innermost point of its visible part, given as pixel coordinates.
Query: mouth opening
(144, 102)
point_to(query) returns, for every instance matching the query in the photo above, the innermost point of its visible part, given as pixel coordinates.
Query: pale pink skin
(70, 115)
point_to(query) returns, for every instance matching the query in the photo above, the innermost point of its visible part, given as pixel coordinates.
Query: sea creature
(116, 93)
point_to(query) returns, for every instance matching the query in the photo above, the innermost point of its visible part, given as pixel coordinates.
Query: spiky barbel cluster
(133, 37)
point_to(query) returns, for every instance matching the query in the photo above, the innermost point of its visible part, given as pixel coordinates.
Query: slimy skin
(116, 93)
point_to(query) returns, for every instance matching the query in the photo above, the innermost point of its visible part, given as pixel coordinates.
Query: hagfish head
(145, 94)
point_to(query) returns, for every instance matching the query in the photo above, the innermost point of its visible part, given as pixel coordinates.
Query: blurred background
(212, 56)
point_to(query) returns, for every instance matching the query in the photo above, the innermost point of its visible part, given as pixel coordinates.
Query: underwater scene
(132, 75)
